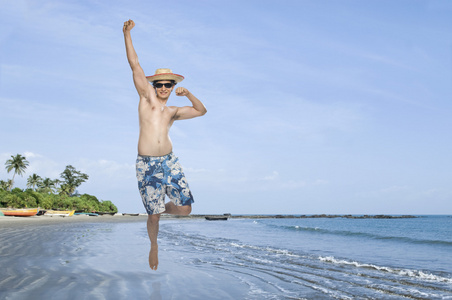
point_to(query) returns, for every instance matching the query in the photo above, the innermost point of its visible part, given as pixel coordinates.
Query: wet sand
(103, 257)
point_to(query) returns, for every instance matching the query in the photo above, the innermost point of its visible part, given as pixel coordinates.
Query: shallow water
(326, 258)
(234, 259)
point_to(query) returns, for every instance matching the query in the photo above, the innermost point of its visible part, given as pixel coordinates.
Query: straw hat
(165, 74)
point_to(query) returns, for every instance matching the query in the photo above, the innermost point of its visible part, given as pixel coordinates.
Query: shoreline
(107, 256)
(308, 216)
(8, 221)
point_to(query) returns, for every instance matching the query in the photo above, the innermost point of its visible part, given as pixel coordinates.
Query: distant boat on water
(24, 212)
(134, 215)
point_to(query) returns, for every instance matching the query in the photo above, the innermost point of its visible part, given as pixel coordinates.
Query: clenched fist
(128, 25)
(181, 91)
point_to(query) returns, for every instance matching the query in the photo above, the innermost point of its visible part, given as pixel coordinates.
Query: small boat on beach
(216, 218)
(61, 213)
(24, 212)
(86, 214)
(100, 213)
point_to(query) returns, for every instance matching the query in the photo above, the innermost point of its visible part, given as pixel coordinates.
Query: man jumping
(158, 169)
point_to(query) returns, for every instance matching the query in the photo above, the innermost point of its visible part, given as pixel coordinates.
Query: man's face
(163, 88)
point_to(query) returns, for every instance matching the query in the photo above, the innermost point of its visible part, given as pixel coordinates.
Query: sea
(271, 258)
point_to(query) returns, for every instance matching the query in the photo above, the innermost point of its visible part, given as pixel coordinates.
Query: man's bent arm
(139, 78)
(188, 112)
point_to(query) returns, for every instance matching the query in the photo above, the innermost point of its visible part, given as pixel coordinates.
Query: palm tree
(4, 185)
(47, 184)
(9, 185)
(33, 181)
(19, 163)
(64, 189)
(56, 184)
(72, 179)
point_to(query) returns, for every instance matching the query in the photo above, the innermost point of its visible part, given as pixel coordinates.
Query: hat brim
(166, 76)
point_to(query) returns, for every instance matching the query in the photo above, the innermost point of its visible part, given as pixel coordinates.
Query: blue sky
(313, 106)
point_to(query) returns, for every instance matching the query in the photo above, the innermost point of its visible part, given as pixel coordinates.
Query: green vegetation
(47, 193)
(18, 198)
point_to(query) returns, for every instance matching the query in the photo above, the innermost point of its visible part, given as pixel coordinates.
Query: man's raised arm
(139, 78)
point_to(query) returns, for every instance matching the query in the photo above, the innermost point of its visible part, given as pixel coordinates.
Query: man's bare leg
(173, 209)
(153, 231)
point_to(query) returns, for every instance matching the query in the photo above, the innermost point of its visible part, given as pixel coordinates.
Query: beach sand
(8, 221)
(104, 257)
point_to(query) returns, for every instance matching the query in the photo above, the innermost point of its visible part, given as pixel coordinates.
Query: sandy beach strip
(9, 221)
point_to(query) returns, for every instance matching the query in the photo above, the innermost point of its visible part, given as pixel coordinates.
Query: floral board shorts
(160, 175)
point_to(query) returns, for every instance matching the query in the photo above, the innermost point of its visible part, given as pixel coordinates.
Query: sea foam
(402, 272)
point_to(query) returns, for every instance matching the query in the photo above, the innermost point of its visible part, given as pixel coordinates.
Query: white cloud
(107, 172)
(224, 179)
(44, 112)
(31, 155)
(38, 164)
(4, 157)
(274, 176)
(292, 184)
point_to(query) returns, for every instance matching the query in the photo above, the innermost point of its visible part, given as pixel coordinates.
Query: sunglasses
(160, 85)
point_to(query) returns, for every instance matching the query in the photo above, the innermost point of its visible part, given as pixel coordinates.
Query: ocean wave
(417, 274)
(272, 267)
(402, 272)
(369, 235)
(271, 250)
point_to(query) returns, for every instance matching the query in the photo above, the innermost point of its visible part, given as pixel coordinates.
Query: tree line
(47, 193)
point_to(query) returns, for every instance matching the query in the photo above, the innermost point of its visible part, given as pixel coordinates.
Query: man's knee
(185, 210)
(154, 218)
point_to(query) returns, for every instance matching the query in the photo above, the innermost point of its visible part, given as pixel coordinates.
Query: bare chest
(156, 115)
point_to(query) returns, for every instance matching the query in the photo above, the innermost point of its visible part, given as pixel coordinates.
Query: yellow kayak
(63, 213)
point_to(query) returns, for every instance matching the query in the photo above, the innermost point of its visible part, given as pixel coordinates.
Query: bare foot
(153, 257)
